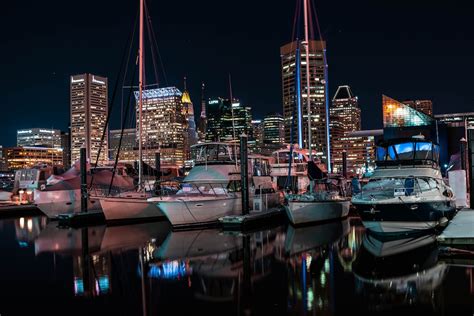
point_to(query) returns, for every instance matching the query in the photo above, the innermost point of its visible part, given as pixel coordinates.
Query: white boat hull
(53, 203)
(304, 212)
(129, 209)
(183, 211)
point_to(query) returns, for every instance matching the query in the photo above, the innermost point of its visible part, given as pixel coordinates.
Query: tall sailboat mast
(140, 97)
(308, 90)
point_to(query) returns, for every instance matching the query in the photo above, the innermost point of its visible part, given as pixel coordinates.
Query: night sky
(404, 49)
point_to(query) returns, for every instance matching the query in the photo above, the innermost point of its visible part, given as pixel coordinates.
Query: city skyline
(390, 58)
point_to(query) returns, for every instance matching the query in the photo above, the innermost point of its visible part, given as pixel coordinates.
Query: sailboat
(133, 205)
(324, 204)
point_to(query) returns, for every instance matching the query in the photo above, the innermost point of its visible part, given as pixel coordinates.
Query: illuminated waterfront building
(28, 157)
(465, 120)
(424, 106)
(89, 109)
(273, 133)
(38, 137)
(397, 114)
(293, 66)
(164, 125)
(128, 152)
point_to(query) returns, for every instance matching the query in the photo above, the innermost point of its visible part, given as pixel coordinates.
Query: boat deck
(460, 231)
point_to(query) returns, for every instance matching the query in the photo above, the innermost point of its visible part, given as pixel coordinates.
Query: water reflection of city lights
(322, 279)
(308, 261)
(326, 266)
(170, 270)
(29, 224)
(22, 222)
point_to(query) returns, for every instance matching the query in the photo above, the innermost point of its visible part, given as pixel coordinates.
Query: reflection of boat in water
(398, 272)
(67, 241)
(303, 239)
(122, 238)
(195, 244)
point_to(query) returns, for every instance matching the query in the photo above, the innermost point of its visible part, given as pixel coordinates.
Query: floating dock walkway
(460, 231)
(253, 219)
(17, 210)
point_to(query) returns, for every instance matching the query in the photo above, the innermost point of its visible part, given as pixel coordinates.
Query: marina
(218, 169)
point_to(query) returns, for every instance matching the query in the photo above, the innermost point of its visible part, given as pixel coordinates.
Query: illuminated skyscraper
(226, 121)
(257, 141)
(425, 106)
(202, 123)
(236, 120)
(344, 112)
(345, 119)
(164, 125)
(128, 151)
(214, 129)
(89, 108)
(273, 129)
(190, 134)
(293, 65)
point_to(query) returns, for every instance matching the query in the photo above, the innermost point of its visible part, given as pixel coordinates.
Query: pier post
(83, 180)
(470, 173)
(158, 166)
(244, 174)
(344, 164)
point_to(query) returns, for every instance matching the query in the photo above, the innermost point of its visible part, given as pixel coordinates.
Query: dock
(81, 219)
(8, 210)
(253, 219)
(460, 231)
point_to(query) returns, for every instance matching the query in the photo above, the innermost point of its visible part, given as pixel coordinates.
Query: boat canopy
(412, 151)
(215, 153)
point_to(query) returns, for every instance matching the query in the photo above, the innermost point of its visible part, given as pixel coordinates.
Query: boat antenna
(140, 96)
(233, 121)
(308, 88)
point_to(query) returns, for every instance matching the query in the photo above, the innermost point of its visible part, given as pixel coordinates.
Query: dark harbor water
(145, 269)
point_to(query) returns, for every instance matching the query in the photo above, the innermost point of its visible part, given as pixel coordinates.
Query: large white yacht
(212, 188)
(406, 192)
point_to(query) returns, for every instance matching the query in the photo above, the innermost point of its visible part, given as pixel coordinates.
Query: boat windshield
(214, 153)
(283, 157)
(398, 186)
(408, 152)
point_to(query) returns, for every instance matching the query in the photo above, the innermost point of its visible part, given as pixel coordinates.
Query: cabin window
(423, 151)
(381, 153)
(404, 151)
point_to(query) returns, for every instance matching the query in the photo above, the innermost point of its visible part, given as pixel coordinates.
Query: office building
(226, 121)
(345, 117)
(190, 135)
(202, 123)
(164, 125)
(89, 109)
(424, 106)
(28, 157)
(236, 120)
(256, 142)
(66, 146)
(38, 137)
(128, 150)
(296, 92)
